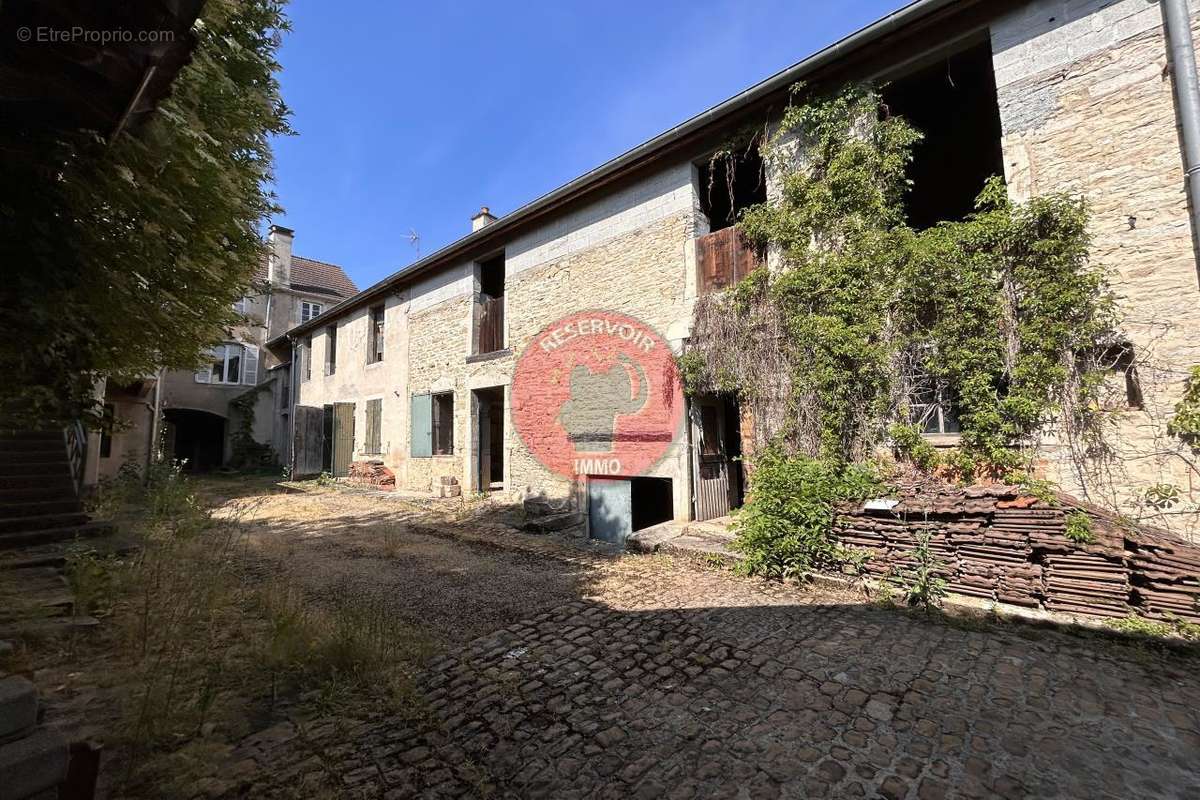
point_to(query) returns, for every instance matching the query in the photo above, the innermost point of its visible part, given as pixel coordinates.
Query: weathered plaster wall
(1087, 106)
(357, 381)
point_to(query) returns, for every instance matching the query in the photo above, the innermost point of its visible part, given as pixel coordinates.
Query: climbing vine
(248, 452)
(1185, 425)
(857, 316)
(999, 315)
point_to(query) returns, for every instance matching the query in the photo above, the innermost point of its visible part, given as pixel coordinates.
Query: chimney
(482, 219)
(279, 263)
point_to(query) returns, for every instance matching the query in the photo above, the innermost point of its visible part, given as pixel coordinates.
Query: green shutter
(422, 426)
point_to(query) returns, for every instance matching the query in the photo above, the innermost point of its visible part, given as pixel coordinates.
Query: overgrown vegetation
(786, 532)
(204, 648)
(1079, 527)
(161, 227)
(923, 585)
(862, 324)
(1185, 425)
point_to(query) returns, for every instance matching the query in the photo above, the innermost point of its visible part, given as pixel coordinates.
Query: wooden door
(710, 459)
(308, 441)
(343, 438)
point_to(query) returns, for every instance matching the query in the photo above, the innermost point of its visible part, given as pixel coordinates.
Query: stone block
(34, 764)
(18, 706)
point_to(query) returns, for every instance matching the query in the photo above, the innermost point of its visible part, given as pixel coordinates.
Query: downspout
(1178, 24)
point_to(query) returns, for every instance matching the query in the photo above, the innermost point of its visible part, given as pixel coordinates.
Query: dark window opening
(953, 103)
(489, 309)
(1120, 361)
(652, 501)
(106, 426)
(730, 185)
(375, 355)
(442, 422)
(306, 357)
(331, 350)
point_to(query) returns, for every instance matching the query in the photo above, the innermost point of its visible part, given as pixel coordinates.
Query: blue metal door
(610, 509)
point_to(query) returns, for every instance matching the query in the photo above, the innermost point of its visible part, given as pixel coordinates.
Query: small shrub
(923, 585)
(912, 446)
(1079, 528)
(94, 579)
(325, 479)
(785, 529)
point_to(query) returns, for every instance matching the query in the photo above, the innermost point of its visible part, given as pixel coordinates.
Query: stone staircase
(39, 503)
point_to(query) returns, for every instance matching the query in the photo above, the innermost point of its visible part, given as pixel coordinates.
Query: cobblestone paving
(678, 682)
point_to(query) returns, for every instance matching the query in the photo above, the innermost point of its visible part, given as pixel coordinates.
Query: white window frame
(226, 352)
(310, 310)
(240, 305)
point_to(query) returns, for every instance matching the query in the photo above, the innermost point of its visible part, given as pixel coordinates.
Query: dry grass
(205, 641)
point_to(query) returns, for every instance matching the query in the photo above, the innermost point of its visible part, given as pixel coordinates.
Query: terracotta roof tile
(315, 276)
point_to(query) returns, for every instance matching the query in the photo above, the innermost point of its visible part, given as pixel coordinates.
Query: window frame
(308, 306)
(441, 422)
(239, 359)
(331, 337)
(377, 332)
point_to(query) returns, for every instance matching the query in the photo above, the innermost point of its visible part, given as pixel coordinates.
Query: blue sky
(410, 116)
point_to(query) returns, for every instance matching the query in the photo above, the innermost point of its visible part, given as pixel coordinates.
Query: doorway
(195, 438)
(489, 435)
(716, 456)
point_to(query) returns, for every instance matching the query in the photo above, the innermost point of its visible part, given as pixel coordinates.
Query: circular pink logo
(597, 393)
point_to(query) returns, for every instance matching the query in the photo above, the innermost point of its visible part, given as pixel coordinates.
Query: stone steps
(41, 522)
(31, 508)
(20, 468)
(27, 538)
(61, 483)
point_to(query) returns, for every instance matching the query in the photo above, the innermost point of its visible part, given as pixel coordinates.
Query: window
(284, 396)
(443, 424)
(375, 354)
(489, 308)
(432, 425)
(931, 408)
(231, 363)
(306, 357)
(309, 310)
(729, 184)
(331, 349)
(373, 444)
(242, 305)
(1120, 361)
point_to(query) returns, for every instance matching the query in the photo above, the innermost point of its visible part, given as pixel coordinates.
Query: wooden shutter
(723, 258)
(422, 425)
(250, 365)
(374, 412)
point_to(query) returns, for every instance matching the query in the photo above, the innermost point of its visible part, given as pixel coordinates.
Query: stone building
(201, 410)
(431, 372)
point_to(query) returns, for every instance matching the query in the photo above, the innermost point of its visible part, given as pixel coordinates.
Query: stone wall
(1086, 105)
(998, 544)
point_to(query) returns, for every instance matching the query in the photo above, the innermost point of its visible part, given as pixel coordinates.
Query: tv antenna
(414, 239)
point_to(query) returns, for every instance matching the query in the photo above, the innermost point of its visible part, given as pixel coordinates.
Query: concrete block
(34, 764)
(18, 706)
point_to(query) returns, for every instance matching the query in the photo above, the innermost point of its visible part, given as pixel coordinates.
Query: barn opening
(730, 185)
(953, 103)
(195, 438)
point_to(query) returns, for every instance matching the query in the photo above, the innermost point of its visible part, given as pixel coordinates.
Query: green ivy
(1185, 425)
(1002, 309)
(1079, 528)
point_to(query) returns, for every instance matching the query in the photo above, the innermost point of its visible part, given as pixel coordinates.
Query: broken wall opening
(652, 502)
(729, 184)
(953, 103)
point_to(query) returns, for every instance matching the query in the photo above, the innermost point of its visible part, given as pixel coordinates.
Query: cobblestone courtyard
(647, 677)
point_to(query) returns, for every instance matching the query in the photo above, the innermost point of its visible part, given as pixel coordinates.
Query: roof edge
(619, 165)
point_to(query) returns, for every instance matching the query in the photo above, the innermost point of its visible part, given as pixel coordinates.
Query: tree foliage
(125, 256)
